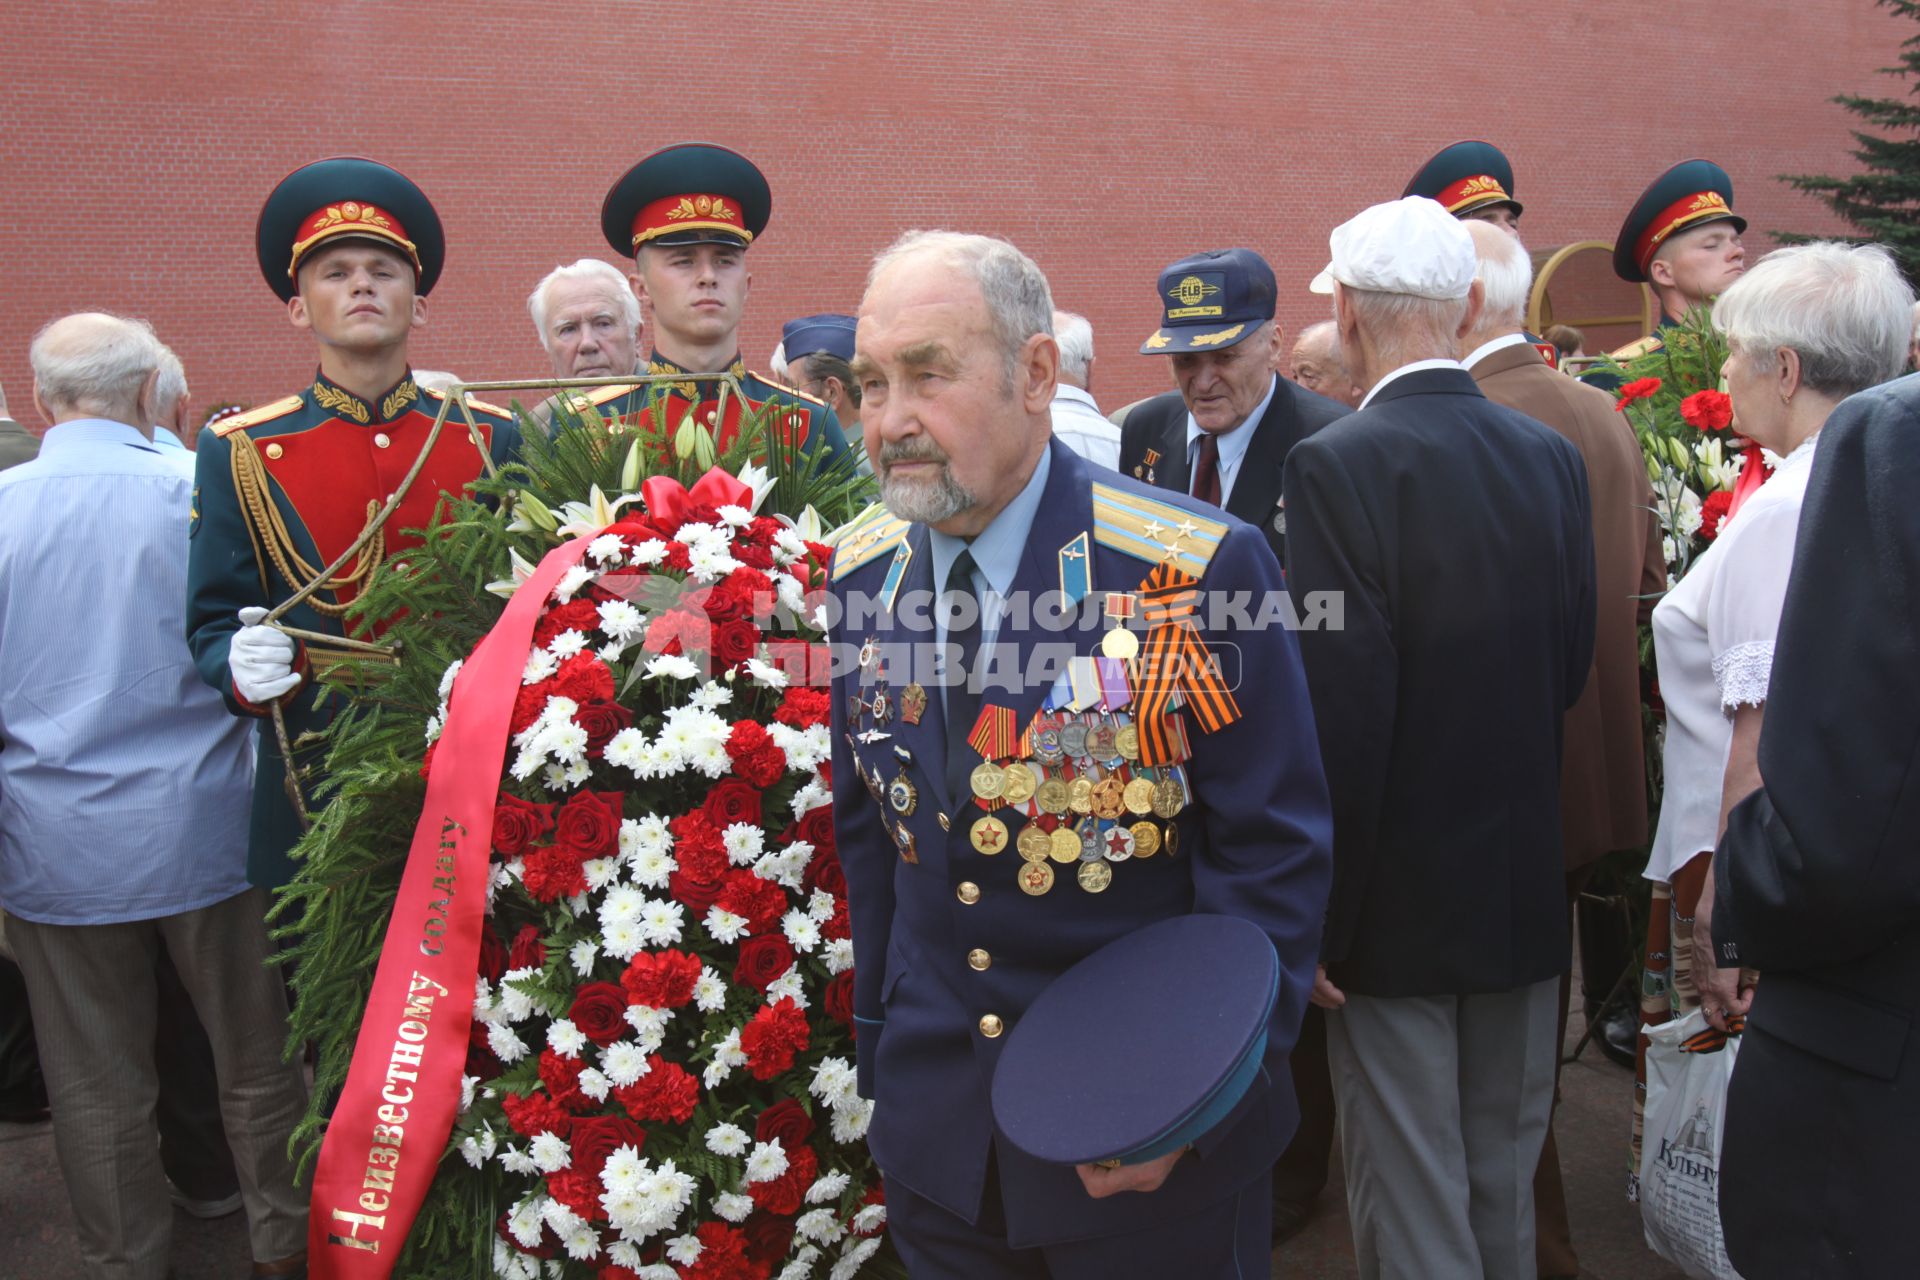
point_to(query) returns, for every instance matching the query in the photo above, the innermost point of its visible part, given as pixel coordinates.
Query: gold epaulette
(1151, 530)
(784, 389)
(864, 539)
(1638, 347)
(473, 400)
(254, 417)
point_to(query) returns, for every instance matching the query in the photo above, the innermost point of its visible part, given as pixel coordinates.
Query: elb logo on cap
(1211, 301)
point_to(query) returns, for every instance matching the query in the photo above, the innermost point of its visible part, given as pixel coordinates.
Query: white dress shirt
(1079, 425)
(1232, 444)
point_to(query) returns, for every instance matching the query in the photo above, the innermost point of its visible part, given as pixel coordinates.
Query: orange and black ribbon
(1175, 660)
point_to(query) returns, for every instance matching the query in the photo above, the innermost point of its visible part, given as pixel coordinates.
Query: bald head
(94, 365)
(1316, 364)
(1506, 274)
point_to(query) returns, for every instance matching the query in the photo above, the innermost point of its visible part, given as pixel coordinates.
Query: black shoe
(1290, 1218)
(1617, 1034)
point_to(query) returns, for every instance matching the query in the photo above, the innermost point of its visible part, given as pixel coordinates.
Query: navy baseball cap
(1211, 301)
(830, 333)
(1120, 1058)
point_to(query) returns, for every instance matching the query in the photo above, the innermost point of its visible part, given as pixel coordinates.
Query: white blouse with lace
(1713, 642)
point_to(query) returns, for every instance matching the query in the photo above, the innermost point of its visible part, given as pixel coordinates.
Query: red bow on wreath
(669, 502)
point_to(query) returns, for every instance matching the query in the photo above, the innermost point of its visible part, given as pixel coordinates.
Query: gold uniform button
(274, 451)
(381, 439)
(968, 892)
(991, 1026)
(713, 416)
(979, 960)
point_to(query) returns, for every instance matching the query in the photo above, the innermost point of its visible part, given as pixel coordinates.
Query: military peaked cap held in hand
(1464, 177)
(1143, 1046)
(347, 197)
(830, 333)
(1691, 193)
(689, 193)
(1211, 301)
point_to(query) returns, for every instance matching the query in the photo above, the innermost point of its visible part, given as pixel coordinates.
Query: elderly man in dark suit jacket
(1457, 532)
(1817, 879)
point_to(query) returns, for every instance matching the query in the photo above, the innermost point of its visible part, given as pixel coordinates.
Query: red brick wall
(138, 137)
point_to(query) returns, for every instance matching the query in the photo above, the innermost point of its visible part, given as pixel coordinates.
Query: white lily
(630, 469)
(596, 513)
(522, 570)
(810, 526)
(529, 513)
(758, 480)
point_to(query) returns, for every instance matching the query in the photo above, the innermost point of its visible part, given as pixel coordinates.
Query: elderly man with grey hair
(1315, 364)
(991, 518)
(170, 425)
(1077, 420)
(109, 852)
(1456, 532)
(588, 320)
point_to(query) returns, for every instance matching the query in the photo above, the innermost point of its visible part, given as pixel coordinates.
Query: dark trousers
(22, 1091)
(1301, 1171)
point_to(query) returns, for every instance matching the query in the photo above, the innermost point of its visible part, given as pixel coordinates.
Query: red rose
(518, 823)
(575, 615)
(772, 1037)
(528, 952)
(785, 1122)
(661, 979)
(824, 873)
(535, 1114)
(552, 874)
(1638, 389)
(838, 998)
(597, 1137)
(665, 1093)
(762, 960)
(724, 601)
(1713, 513)
(578, 1192)
(760, 902)
(816, 827)
(753, 554)
(731, 801)
(769, 1236)
(481, 1061)
(601, 720)
(562, 1078)
(1707, 410)
(600, 1011)
(493, 954)
(732, 643)
(584, 678)
(786, 1193)
(589, 824)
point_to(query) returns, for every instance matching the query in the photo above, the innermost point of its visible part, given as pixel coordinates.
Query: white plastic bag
(1686, 1117)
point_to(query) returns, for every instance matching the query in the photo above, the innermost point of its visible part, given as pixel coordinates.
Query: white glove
(261, 659)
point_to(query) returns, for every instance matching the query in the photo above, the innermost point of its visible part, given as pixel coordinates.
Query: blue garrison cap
(1211, 301)
(1141, 1047)
(830, 333)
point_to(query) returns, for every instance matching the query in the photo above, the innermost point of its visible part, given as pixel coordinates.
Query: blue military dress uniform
(958, 925)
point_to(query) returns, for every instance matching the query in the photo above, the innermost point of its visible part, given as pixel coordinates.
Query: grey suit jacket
(17, 444)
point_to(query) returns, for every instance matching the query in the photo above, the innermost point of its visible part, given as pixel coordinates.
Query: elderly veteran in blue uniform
(687, 214)
(1471, 180)
(1007, 813)
(352, 248)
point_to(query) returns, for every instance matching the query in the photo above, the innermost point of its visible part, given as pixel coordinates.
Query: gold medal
(1109, 799)
(1095, 876)
(1035, 878)
(902, 796)
(1080, 795)
(1120, 643)
(1169, 798)
(1018, 784)
(1065, 845)
(1146, 839)
(1171, 841)
(1053, 796)
(989, 835)
(913, 703)
(988, 780)
(1127, 742)
(1034, 843)
(1139, 797)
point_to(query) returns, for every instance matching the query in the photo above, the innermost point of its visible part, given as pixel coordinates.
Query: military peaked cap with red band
(347, 197)
(1464, 177)
(1690, 194)
(689, 193)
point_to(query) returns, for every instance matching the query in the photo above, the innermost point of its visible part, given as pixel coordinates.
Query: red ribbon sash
(390, 1128)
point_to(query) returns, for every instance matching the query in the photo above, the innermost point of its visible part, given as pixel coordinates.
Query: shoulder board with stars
(476, 402)
(1154, 531)
(865, 538)
(786, 390)
(254, 417)
(1638, 347)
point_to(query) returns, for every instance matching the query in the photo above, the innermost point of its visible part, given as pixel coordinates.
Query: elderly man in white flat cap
(1456, 531)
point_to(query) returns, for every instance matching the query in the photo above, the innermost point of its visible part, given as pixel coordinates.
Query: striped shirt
(124, 783)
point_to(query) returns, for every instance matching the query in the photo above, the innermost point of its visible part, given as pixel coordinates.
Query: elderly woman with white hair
(1806, 327)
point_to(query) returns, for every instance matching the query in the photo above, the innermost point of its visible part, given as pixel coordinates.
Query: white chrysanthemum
(727, 1140)
(554, 778)
(732, 1206)
(804, 748)
(853, 1259)
(671, 666)
(711, 759)
(622, 905)
(850, 1122)
(610, 652)
(607, 548)
(685, 1250)
(767, 1161)
(724, 926)
(744, 842)
(658, 1271)
(621, 1253)
(788, 986)
(477, 1148)
(516, 1160)
(566, 1039)
(506, 1046)
(525, 1222)
(735, 515)
(801, 1268)
(571, 581)
(710, 697)
(820, 907)
(540, 665)
(627, 749)
(448, 676)
(709, 564)
(624, 1062)
(819, 620)
(662, 922)
(833, 1082)
(621, 620)
(516, 1004)
(1669, 550)
(434, 726)
(594, 1083)
(660, 760)
(581, 1243)
(638, 835)
(565, 741)
(566, 644)
(839, 955)
(714, 1074)
(827, 1188)
(658, 1198)
(549, 1152)
(653, 868)
(811, 795)
(581, 956)
(726, 1056)
(623, 940)
(559, 710)
(600, 872)
(511, 1264)
(577, 775)
(697, 532)
(709, 990)
(526, 764)
(870, 1217)
(624, 1170)
(788, 542)
(652, 551)
(766, 674)
(786, 867)
(819, 1225)
(1689, 522)
(650, 1025)
(801, 931)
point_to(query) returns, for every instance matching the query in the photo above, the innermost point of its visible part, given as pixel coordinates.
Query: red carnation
(527, 952)
(535, 1114)
(772, 1037)
(676, 631)
(762, 960)
(723, 1255)
(562, 1078)
(665, 1093)
(753, 554)
(760, 902)
(678, 558)
(1638, 389)
(578, 1192)
(701, 873)
(552, 874)
(584, 678)
(695, 835)
(600, 1011)
(595, 1138)
(661, 979)
(838, 998)
(803, 708)
(837, 927)
(529, 703)
(1713, 513)
(588, 825)
(786, 1193)
(518, 823)
(785, 1122)
(731, 801)
(1707, 410)
(575, 615)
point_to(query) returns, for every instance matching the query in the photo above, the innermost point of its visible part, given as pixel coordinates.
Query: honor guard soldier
(1471, 180)
(281, 492)
(1682, 240)
(1091, 758)
(687, 214)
